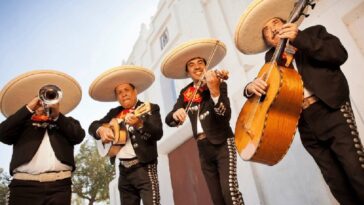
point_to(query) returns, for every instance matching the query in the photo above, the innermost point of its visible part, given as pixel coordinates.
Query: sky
(82, 38)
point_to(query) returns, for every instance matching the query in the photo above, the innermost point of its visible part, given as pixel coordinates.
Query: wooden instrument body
(111, 149)
(120, 135)
(266, 136)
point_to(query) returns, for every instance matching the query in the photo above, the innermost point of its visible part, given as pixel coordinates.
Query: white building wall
(294, 180)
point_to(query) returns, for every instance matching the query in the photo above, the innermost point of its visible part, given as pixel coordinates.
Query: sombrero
(22, 89)
(248, 34)
(103, 87)
(174, 63)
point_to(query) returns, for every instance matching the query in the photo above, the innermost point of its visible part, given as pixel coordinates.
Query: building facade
(296, 179)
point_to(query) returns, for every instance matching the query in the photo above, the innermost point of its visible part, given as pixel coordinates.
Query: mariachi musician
(209, 113)
(327, 126)
(43, 142)
(138, 179)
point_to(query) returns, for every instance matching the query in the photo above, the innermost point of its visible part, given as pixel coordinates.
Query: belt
(309, 101)
(43, 177)
(129, 163)
(200, 136)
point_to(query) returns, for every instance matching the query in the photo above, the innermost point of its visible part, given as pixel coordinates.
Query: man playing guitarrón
(138, 157)
(327, 126)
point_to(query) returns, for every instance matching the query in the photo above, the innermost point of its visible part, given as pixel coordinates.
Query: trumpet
(49, 95)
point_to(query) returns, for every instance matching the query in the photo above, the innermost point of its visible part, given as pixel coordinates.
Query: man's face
(126, 95)
(195, 68)
(270, 31)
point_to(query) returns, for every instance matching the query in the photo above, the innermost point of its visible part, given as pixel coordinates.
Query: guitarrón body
(266, 136)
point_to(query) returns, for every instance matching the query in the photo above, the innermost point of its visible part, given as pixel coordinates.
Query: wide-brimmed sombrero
(174, 63)
(248, 34)
(103, 87)
(22, 89)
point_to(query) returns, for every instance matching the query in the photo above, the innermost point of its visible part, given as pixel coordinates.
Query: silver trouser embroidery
(236, 196)
(153, 176)
(350, 120)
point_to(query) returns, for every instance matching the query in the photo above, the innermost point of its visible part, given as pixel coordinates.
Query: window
(163, 39)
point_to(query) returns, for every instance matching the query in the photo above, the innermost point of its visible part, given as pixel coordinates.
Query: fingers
(131, 119)
(213, 82)
(258, 87)
(222, 74)
(211, 76)
(106, 134)
(34, 103)
(180, 115)
(289, 31)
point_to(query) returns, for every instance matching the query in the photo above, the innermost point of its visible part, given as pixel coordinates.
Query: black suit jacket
(214, 118)
(319, 57)
(145, 140)
(17, 130)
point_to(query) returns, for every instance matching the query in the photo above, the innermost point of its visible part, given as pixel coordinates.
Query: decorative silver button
(131, 128)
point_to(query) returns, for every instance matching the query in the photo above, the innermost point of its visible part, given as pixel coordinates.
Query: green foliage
(93, 174)
(4, 182)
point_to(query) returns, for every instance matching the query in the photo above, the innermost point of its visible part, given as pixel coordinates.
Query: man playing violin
(327, 126)
(138, 179)
(42, 160)
(209, 114)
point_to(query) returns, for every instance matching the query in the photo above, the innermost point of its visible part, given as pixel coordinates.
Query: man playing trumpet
(42, 159)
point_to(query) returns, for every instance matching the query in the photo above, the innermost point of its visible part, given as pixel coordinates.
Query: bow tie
(188, 93)
(124, 112)
(40, 118)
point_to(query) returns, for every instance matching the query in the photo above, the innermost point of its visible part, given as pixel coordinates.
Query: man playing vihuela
(132, 128)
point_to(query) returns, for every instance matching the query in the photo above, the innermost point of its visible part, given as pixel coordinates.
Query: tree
(93, 174)
(4, 190)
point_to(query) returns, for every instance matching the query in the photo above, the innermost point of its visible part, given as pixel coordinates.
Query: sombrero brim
(103, 87)
(248, 34)
(174, 63)
(21, 90)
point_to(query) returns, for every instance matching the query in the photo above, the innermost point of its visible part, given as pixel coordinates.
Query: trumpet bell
(50, 94)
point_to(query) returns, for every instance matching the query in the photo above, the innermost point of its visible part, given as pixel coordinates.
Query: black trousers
(218, 163)
(331, 137)
(40, 193)
(139, 182)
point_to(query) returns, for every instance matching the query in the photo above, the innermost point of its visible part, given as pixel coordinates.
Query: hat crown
(248, 33)
(20, 90)
(174, 63)
(103, 87)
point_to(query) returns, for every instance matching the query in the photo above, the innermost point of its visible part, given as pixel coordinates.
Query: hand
(222, 74)
(34, 104)
(257, 87)
(133, 120)
(213, 83)
(106, 134)
(289, 31)
(180, 115)
(53, 111)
